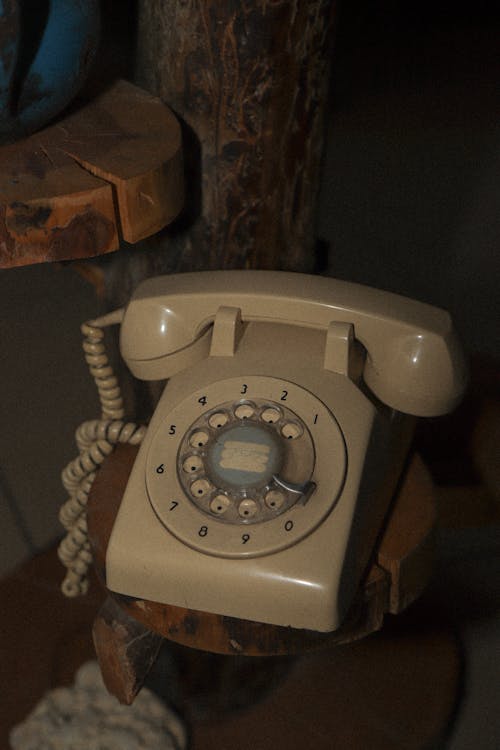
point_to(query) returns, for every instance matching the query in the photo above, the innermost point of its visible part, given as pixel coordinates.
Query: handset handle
(414, 361)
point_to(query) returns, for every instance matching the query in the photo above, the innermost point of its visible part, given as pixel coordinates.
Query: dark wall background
(410, 198)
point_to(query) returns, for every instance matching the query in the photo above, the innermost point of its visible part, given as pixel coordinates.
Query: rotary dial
(246, 461)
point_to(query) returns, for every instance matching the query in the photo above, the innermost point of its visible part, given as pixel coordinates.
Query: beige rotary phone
(268, 466)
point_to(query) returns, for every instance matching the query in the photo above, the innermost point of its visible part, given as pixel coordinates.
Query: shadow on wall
(46, 393)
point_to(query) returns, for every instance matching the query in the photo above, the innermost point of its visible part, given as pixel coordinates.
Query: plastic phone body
(271, 459)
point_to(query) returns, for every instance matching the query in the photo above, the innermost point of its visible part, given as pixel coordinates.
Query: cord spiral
(95, 439)
(102, 372)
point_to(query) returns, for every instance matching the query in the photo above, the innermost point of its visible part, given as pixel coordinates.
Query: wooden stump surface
(110, 170)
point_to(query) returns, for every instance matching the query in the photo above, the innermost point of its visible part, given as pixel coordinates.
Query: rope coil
(96, 439)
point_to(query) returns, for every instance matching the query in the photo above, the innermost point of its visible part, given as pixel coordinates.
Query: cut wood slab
(406, 550)
(110, 170)
(126, 651)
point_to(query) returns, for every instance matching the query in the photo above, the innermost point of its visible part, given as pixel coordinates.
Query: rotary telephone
(268, 467)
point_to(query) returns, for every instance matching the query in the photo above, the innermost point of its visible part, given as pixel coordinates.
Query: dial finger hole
(198, 439)
(274, 499)
(219, 504)
(248, 508)
(200, 487)
(244, 411)
(218, 420)
(271, 415)
(291, 430)
(192, 464)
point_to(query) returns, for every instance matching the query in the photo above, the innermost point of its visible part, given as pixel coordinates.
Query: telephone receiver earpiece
(414, 362)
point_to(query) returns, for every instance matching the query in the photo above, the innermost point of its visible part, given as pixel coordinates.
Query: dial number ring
(270, 525)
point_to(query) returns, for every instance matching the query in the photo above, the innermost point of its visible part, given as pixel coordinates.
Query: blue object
(46, 49)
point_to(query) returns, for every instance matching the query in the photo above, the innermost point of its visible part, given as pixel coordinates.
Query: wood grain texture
(40, 220)
(406, 550)
(227, 635)
(136, 146)
(249, 81)
(111, 169)
(125, 649)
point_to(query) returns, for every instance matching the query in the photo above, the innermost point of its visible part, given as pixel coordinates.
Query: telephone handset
(269, 464)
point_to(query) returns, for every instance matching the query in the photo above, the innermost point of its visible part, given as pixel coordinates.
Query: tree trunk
(249, 82)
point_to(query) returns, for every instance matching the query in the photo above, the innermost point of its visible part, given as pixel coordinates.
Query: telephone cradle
(264, 477)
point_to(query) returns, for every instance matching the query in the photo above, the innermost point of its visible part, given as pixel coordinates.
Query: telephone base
(405, 553)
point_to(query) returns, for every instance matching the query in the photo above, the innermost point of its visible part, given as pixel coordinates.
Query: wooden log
(125, 649)
(406, 550)
(110, 170)
(136, 146)
(51, 209)
(249, 81)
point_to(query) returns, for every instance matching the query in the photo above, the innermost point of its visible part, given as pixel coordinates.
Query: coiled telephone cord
(95, 440)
